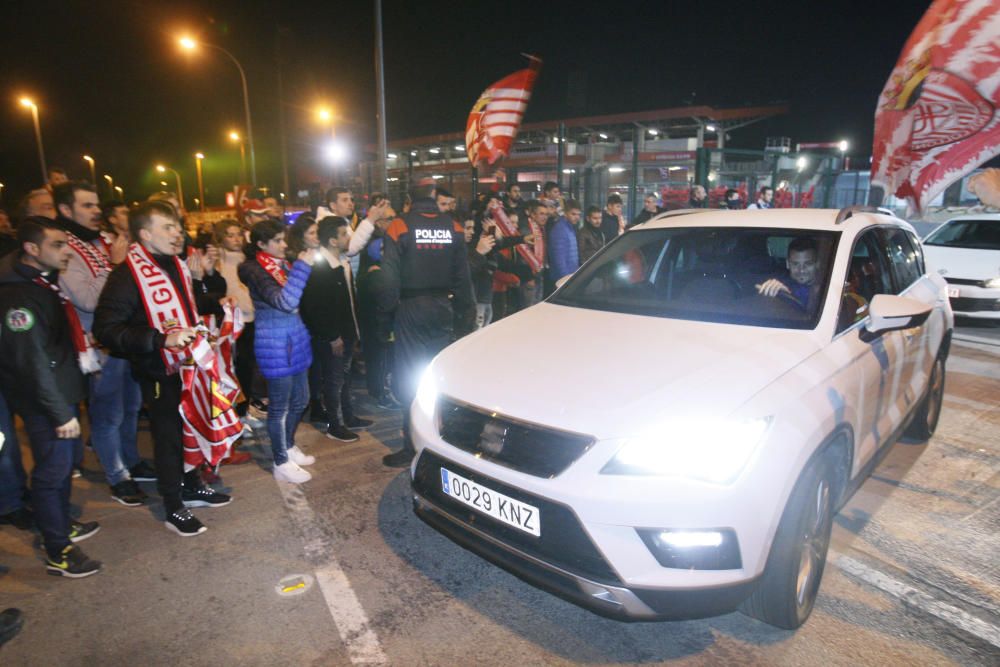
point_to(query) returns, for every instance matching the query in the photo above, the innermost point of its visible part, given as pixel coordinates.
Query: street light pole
(111, 185)
(198, 157)
(380, 174)
(234, 136)
(93, 170)
(180, 189)
(38, 136)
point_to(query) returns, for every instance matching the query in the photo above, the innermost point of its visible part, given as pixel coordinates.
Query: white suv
(670, 434)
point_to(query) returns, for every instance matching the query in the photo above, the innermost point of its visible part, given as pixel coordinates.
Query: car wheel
(925, 419)
(785, 595)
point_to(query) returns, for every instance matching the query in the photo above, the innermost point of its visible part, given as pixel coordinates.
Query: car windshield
(752, 276)
(981, 234)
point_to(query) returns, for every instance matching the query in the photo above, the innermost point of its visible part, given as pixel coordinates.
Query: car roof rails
(849, 211)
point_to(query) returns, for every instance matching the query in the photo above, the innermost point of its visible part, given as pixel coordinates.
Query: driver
(803, 270)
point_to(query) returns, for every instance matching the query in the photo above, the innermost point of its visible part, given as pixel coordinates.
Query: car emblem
(491, 440)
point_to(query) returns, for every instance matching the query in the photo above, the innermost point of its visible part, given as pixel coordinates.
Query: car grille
(526, 448)
(562, 543)
(965, 281)
(967, 305)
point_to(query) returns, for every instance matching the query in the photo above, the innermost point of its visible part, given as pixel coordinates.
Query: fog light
(715, 549)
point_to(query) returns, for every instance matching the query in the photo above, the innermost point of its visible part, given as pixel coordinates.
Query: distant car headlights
(706, 449)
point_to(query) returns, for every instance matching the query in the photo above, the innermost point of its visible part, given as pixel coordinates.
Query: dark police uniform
(427, 281)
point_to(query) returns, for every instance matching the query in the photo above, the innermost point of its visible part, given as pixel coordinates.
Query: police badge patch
(19, 319)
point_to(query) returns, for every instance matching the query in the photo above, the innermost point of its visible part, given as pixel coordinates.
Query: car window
(903, 258)
(981, 234)
(867, 275)
(711, 274)
(918, 249)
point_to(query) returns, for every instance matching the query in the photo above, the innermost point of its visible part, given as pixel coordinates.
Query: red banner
(937, 117)
(496, 117)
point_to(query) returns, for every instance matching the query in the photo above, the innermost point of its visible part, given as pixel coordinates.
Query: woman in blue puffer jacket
(281, 343)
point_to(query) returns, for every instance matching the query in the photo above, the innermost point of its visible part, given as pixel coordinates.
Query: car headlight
(427, 393)
(707, 449)
(992, 283)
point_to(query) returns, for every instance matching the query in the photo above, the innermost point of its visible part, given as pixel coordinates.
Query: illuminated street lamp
(26, 102)
(121, 192)
(198, 157)
(842, 147)
(801, 163)
(180, 189)
(189, 44)
(235, 137)
(111, 184)
(93, 170)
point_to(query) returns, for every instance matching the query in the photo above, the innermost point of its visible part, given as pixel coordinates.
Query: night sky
(111, 82)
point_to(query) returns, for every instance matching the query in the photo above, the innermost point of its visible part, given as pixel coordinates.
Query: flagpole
(380, 175)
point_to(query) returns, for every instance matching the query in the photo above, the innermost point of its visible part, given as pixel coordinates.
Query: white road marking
(916, 598)
(352, 623)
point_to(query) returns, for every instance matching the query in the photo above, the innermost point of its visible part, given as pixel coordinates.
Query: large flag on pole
(937, 117)
(496, 116)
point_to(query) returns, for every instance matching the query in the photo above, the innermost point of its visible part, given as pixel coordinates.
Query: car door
(909, 279)
(875, 360)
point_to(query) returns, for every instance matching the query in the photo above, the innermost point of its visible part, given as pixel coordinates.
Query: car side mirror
(562, 281)
(888, 312)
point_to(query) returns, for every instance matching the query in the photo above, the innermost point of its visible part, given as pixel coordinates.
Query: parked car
(670, 434)
(966, 251)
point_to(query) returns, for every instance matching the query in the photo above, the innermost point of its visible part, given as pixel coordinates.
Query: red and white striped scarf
(277, 268)
(160, 298)
(86, 355)
(95, 260)
(509, 229)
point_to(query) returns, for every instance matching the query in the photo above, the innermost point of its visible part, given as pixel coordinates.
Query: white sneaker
(289, 471)
(300, 457)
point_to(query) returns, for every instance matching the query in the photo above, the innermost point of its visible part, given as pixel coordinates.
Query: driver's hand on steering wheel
(772, 287)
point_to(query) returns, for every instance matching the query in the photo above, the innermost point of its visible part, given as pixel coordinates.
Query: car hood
(969, 263)
(609, 374)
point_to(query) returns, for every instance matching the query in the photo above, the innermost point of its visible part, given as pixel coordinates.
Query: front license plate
(502, 508)
(954, 292)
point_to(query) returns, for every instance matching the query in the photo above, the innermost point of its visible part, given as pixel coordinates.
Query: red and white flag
(496, 117)
(937, 117)
(209, 392)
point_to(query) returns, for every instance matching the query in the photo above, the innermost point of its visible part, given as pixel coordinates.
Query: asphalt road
(914, 575)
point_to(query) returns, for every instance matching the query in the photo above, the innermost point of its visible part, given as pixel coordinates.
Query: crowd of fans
(99, 300)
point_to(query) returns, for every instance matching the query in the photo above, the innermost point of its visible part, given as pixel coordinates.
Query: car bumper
(612, 600)
(975, 301)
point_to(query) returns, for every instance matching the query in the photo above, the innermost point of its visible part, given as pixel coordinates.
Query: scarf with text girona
(277, 268)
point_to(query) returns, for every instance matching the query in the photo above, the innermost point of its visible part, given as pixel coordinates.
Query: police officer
(41, 341)
(427, 281)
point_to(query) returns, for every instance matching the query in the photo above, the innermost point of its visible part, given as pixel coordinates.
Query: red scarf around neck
(86, 355)
(277, 268)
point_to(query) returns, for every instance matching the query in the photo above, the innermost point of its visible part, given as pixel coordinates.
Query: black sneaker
(142, 472)
(72, 563)
(128, 493)
(184, 523)
(11, 621)
(400, 459)
(341, 433)
(358, 422)
(204, 497)
(78, 532)
(387, 402)
(21, 518)
(257, 410)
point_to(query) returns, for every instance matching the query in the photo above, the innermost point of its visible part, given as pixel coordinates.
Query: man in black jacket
(40, 341)
(426, 271)
(328, 311)
(122, 325)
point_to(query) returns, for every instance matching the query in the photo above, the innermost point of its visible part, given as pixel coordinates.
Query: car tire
(785, 595)
(925, 418)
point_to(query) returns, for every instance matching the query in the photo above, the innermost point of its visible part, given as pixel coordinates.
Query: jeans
(51, 479)
(484, 314)
(12, 477)
(335, 374)
(115, 399)
(423, 328)
(288, 398)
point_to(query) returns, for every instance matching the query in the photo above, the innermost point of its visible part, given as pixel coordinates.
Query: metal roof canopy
(671, 123)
